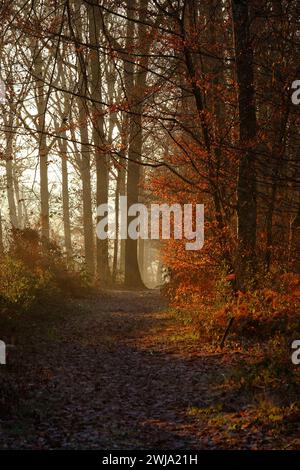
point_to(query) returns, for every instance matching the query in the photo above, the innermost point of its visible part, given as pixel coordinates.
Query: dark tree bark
(135, 90)
(246, 186)
(102, 265)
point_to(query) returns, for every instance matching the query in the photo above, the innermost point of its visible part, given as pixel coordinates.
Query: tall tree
(246, 185)
(98, 129)
(135, 85)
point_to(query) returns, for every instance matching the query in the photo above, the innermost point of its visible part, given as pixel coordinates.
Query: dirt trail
(107, 379)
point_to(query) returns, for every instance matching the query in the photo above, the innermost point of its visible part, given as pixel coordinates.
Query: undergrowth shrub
(259, 314)
(17, 284)
(266, 311)
(34, 269)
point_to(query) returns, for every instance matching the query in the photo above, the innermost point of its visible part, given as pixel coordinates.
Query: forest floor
(117, 372)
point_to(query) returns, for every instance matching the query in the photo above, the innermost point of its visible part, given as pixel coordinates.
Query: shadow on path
(101, 390)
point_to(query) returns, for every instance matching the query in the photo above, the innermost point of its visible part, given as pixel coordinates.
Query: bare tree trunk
(43, 149)
(94, 16)
(19, 200)
(141, 257)
(123, 187)
(64, 114)
(85, 171)
(84, 159)
(279, 126)
(117, 222)
(135, 90)
(1, 236)
(10, 177)
(246, 188)
(25, 212)
(132, 272)
(66, 201)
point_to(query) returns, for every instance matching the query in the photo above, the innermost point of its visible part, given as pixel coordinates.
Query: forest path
(108, 377)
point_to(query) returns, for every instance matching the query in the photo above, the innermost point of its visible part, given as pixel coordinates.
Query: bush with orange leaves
(34, 270)
(266, 311)
(259, 315)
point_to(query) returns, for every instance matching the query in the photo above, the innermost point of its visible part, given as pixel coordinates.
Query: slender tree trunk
(119, 245)
(123, 186)
(66, 201)
(64, 115)
(135, 90)
(84, 159)
(43, 149)
(117, 222)
(85, 171)
(141, 257)
(103, 272)
(25, 212)
(123, 192)
(1, 236)
(10, 178)
(19, 201)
